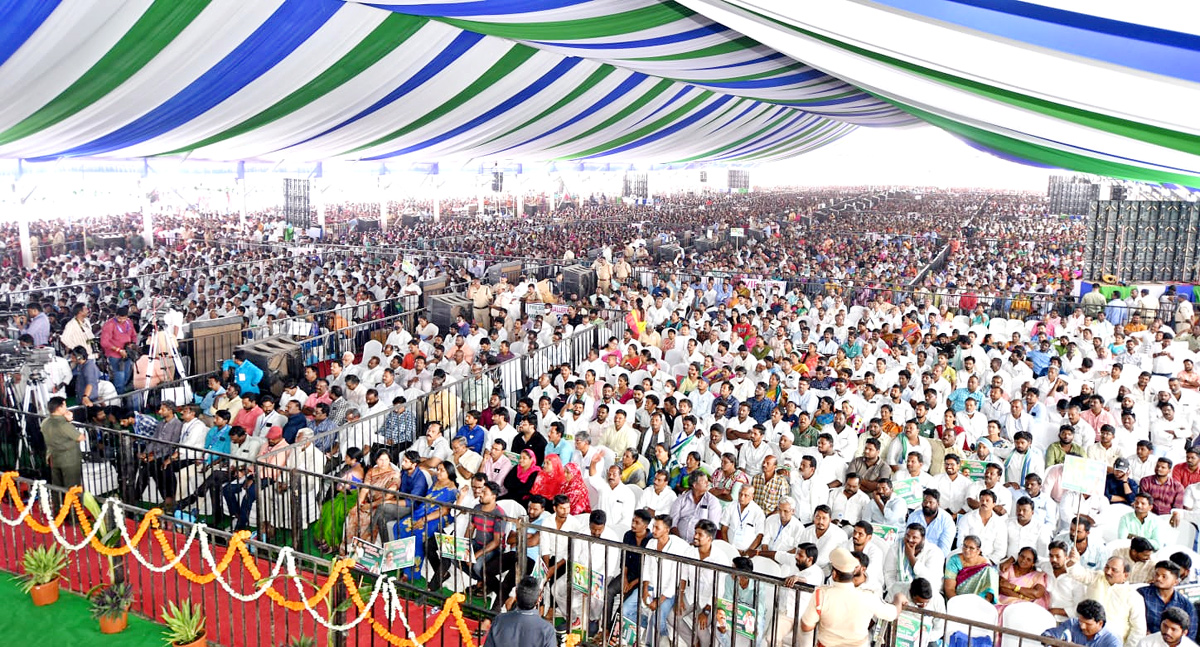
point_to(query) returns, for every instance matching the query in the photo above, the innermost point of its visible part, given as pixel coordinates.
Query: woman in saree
(775, 390)
(636, 319)
(713, 373)
(661, 461)
(1021, 581)
(549, 481)
(633, 360)
(518, 482)
(576, 490)
(824, 414)
(332, 522)
(632, 471)
(429, 517)
(386, 477)
(970, 573)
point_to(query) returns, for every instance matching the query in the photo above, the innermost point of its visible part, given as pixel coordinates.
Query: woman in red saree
(555, 479)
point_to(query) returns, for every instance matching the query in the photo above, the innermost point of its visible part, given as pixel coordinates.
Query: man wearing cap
(1119, 487)
(840, 613)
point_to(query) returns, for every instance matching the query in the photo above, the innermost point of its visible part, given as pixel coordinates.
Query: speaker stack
(445, 308)
(1072, 196)
(667, 253)
(295, 203)
(510, 269)
(579, 280)
(278, 357)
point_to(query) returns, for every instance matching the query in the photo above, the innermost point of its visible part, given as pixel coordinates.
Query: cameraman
(36, 325)
(115, 336)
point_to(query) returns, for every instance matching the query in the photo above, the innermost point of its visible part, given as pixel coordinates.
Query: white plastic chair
(726, 547)
(674, 356)
(973, 607)
(998, 325)
(1027, 617)
(1184, 535)
(1110, 519)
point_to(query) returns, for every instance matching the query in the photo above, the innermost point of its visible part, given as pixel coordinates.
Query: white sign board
(1083, 475)
(737, 232)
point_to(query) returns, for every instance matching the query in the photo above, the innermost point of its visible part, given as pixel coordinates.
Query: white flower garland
(386, 587)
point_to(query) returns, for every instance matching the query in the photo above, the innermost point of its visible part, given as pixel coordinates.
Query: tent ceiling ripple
(1112, 92)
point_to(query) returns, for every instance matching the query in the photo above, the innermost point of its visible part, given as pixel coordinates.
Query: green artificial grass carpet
(66, 622)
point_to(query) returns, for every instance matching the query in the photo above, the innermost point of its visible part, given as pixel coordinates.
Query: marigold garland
(237, 547)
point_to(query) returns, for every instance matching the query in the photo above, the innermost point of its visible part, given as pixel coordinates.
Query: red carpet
(230, 623)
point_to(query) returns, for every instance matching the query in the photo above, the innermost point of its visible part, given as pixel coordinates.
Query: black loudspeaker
(531, 209)
(497, 182)
(295, 203)
(667, 253)
(1143, 241)
(511, 269)
(739, 180)
(1072, 195)
(1116, 193)
(758, 234)
(368, 225)
(445, 308)
(579, 280)
(278, 357)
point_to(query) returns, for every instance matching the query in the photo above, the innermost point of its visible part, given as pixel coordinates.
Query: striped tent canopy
(604, 80)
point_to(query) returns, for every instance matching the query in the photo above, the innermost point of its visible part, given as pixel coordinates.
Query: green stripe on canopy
(154, 30)
(383, 40)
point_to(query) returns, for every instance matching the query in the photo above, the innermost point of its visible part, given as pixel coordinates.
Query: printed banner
(401, 553)
(368, 557)
(910, 490)
(452, 547)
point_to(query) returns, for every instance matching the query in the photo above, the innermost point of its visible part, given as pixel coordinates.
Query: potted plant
(185, 625)
(43, 568)
(110, 605)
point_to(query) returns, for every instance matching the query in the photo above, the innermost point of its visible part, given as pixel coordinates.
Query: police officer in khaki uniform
(604, 273)
(622, 271)
(481, 301)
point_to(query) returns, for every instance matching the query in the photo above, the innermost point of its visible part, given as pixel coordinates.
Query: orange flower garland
(237, 546)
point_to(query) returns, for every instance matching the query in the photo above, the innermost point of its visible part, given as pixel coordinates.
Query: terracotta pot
(202, 641)
(44, 594)
(110, 625)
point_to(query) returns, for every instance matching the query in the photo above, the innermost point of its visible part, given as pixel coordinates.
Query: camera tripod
(31, 404)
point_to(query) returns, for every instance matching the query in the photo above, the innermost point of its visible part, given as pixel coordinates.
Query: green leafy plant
(111, 601)
(185, 623)
(43, 565)
(108, 535)
(302, 641)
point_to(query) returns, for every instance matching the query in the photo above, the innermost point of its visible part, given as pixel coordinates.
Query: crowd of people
(903, 429)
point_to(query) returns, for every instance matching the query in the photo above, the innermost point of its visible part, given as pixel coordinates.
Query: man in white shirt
(743, 524)
(953, 486)
(847, 505)
(658, 498)
(988, 526)
(1025, 532)
(615, 498)
(433, 446)
(825, 535)
(782, 533)
(910, 558)
(808, 490)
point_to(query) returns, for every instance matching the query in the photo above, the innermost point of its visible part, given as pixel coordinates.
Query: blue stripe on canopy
(18, 20)
(293, 23)
(1146, 49)
(508, 104)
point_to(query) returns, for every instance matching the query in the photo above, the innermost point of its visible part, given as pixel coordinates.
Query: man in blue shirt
(245, 374)
(474, 434)
(1040, 357)
(412, 481)
(939, 527)
(958, 397)
(1088, 629)
(1162, 595)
